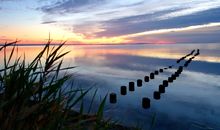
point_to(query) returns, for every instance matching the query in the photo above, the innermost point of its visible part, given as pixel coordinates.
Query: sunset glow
(109, 64)
(109, 22)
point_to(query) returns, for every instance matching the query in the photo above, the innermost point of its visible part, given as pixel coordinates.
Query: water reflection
(193, 97)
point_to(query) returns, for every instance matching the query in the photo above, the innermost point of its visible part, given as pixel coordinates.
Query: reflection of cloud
(142, 63)
(205, 67)
(185, 94)
(138, 62)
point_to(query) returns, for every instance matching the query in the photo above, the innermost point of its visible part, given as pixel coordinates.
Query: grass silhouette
(32, 95)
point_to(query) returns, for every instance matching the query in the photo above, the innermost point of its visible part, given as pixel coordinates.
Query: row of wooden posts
(162, 87)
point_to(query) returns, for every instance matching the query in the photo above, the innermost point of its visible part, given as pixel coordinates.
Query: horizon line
(35, 44)
(81, 44)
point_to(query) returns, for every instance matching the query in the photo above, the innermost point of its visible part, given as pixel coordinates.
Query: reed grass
(32, 95)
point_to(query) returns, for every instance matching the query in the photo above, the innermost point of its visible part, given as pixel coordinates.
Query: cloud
(161, 31)
(105, 19)
(127, 25)
(4, 39)
(6, 0)
(70, 6)
(117, 18)
(48, 22)
(192, 10)
(204, 34)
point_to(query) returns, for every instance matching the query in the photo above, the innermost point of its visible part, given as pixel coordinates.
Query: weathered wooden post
(146, 78)
(156, 95)
(165, 83)
(177, 74)
(192, 52)
(123, 90)
(145, 102)
(113, 98)
(131, 86)
(161, 89)
(139, 82)
(170, 79)
(180, 69)
(151, 75)
(173, 77)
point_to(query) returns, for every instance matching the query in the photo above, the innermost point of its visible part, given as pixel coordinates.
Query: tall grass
(32, 94)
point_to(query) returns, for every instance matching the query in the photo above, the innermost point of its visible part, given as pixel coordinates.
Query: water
(191, 99)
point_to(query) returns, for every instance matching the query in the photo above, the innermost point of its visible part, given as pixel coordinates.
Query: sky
(110, 21)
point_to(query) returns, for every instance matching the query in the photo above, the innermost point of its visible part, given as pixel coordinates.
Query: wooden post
(123, 90)
(151, 75)
(139, 82)
(131, 86)
(165, 83)
(145, 102)
(146, 78)
(156, 95)
(170, 79)
(177, 74)
(113, 98)
(173, 77)
(161, 89)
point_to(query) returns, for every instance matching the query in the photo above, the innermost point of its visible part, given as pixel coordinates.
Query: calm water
(194, 98)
